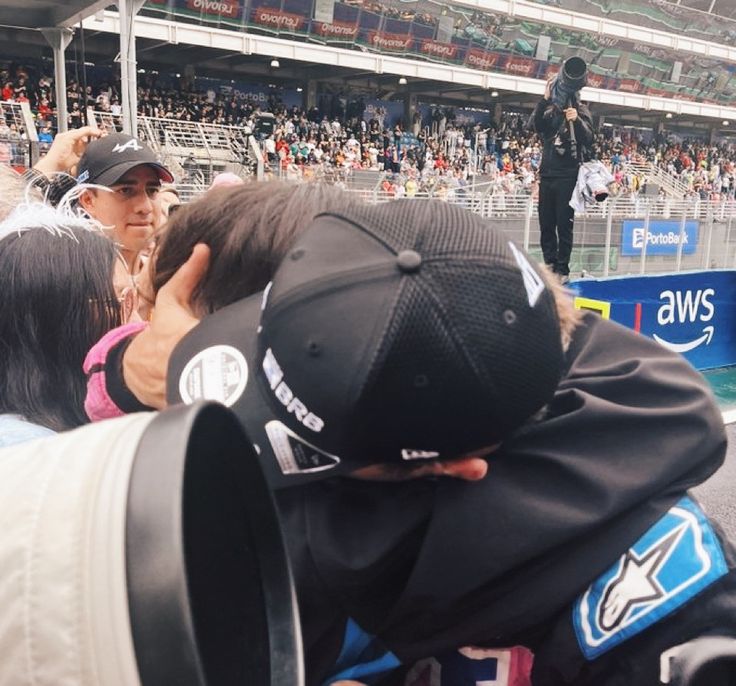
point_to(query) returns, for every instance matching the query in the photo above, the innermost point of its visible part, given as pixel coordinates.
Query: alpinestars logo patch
(636, 581)
(671, 563)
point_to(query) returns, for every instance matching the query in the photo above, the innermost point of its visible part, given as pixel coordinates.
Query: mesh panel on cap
(514, 348)
(432, 228)
(462, 325)
(422, 388)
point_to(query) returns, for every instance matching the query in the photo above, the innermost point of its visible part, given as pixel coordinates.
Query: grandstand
(195, 152)
(447, 85)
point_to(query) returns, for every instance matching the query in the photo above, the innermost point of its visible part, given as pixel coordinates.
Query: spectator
(58, 298)
(121, 179)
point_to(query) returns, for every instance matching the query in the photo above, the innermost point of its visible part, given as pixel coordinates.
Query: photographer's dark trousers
(556, 221)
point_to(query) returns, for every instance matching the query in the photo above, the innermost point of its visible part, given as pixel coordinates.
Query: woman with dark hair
(57, 300)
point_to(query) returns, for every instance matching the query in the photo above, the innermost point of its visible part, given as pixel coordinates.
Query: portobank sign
(661, 237)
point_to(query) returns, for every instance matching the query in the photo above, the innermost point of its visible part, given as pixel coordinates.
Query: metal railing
(650, 173)
(707, 228)
(195, 152)
(19, 144)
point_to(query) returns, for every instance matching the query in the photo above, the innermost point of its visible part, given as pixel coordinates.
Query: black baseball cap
(392, 333)
(108, 158)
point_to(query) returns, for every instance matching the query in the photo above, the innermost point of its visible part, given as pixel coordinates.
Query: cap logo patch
(294, 454)
(418, 454)
(532, 281)
(83, 176)
(217, 373)
(131, 144)
(286, 397)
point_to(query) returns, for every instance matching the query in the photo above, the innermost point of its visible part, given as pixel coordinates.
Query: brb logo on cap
(286, 397)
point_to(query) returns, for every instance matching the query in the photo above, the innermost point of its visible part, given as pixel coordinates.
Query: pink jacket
(98, 404)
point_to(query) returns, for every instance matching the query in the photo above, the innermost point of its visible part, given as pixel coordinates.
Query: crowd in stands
(440, 155)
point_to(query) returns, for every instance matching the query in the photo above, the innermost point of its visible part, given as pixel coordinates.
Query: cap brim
(218, 360)
(110, 176)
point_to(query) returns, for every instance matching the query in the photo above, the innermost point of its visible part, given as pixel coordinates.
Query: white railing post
(681, 240)
(710, 222)
(646, 240)
(528, 222)
(609, 231)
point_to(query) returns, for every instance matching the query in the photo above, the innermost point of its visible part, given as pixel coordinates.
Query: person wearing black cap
(412, 340)
(128, 178)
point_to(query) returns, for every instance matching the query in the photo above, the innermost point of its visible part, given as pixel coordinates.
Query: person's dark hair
(57, 302)
(248, 228)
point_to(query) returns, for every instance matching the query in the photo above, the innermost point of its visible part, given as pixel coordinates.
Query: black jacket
(561, 157)
(432, 565)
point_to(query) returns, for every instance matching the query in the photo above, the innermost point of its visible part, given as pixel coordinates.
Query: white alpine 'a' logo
(132, 144)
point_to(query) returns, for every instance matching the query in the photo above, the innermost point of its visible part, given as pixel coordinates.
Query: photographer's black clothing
(561, 159)
(556, 219)
(427, 566)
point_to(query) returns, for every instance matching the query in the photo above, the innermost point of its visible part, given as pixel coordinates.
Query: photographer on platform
(566, 128)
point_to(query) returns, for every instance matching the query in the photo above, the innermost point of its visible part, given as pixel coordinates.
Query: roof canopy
(34, 14)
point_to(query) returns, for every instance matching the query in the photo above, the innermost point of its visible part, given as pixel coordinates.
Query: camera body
(571, 79)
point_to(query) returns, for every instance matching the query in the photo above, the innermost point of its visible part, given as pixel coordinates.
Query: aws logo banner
(660, 238)
(686, 307)
(692, 313)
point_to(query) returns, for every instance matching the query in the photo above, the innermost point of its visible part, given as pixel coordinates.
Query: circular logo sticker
(218, 373)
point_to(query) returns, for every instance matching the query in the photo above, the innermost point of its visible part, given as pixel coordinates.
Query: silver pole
(710, 221)
(609, 231)
(646, 240)
(59, 39)
(528, 223)
(127, 10)
(682, 240)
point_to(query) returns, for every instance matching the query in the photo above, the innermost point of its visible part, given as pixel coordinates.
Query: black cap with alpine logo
(406, 331)
(108, 158)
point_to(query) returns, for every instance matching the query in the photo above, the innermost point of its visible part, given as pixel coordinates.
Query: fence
(633, 234)
(194, 152)
(623, 235)
(19, 145)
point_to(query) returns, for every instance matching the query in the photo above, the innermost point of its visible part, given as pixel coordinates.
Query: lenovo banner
(392, 42)
(220, 8)
(335, 30)
(278, 20)
(481, 59)
(433, 48)
(521, 66)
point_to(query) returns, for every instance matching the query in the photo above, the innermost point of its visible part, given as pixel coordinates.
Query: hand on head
(146, 360)
(66, 150)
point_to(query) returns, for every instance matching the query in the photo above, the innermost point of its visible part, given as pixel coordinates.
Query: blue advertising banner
(663, 237)
(387, 111)
(691, 313)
